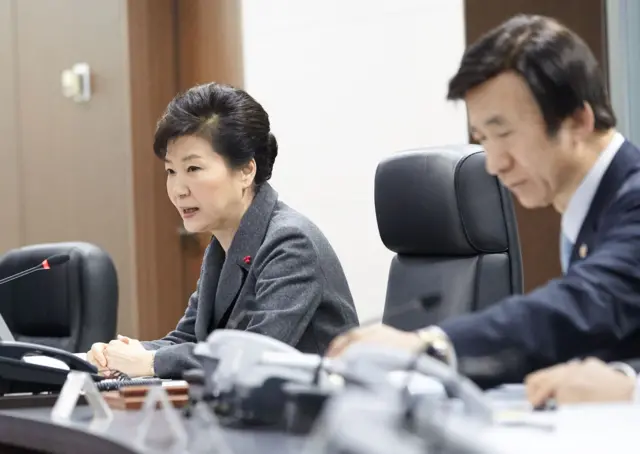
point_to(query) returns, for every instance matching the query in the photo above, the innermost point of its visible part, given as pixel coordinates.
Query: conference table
(580, 428)
(33, 430)
(583, 428)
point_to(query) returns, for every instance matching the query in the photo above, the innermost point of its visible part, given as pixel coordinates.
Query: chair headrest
(49, 301)
(440, 201)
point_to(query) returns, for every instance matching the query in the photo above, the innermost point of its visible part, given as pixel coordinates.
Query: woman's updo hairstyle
(235, 124)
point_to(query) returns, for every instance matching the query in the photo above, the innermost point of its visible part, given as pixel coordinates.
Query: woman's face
(207, 193)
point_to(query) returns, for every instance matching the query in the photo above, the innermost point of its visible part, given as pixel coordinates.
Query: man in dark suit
(537, 102)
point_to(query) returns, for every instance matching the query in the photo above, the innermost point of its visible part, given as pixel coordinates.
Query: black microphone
(46, 264)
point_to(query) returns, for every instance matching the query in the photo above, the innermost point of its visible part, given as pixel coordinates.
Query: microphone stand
(372, 420)
(443, 430)
(46, 264)
(363, 421)
(456, 386)
(234, 374)
(437, 424)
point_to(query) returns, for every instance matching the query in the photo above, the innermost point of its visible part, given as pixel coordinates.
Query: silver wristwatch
(437, 344)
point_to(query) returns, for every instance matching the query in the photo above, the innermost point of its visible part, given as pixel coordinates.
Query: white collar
(580, 201)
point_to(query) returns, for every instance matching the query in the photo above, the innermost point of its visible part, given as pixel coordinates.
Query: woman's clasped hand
(124, 355)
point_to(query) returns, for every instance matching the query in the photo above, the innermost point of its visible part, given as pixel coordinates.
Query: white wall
(347, 83)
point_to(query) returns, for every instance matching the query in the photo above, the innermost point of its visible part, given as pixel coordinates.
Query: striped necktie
(566, 247)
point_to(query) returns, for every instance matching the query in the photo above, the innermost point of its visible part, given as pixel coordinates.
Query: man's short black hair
(556, 64)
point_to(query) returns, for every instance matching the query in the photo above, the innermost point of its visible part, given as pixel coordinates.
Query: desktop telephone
(19, 376)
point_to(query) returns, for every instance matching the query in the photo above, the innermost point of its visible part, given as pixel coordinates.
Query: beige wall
(75, 170)
(87, 172)
(10, 195)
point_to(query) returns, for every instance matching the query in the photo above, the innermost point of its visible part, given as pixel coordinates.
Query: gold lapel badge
(583, 251)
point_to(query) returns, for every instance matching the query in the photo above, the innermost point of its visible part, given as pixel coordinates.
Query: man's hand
(378, 334)
(129, 356)
(579, 381)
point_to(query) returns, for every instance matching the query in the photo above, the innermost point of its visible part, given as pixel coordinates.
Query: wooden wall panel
(10, 189)
(152, 59)
(540, 229)
(209, 42)
(209, 36)
(76, 158)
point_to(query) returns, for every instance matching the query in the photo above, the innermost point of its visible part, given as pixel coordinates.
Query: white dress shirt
(580, 201)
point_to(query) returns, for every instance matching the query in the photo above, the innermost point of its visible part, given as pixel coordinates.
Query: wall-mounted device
(76, 82)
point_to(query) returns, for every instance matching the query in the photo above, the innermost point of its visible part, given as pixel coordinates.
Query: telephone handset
(17, 350)
(20, 376)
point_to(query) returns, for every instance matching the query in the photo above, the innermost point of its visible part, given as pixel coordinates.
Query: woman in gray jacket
(268, 269)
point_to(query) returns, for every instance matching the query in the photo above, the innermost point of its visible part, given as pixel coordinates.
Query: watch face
(435, 351)
(439, 349)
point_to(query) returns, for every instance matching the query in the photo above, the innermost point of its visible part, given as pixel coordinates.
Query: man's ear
(583, 121)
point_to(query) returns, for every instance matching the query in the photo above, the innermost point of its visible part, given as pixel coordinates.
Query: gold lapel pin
(582, 252)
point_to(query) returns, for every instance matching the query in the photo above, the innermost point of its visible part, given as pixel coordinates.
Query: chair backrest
(70, 306)
(453, 229)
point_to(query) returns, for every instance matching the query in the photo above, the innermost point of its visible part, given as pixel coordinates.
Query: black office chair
(70, 306)
(453, 228)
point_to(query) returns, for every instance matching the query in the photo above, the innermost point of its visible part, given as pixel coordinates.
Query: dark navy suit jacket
(594, 310)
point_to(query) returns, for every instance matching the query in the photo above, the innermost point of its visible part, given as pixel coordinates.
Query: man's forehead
(502, 88)
(497, 104)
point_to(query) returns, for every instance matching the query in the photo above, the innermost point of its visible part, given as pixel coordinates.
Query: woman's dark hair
(556, 64)
(235, 124)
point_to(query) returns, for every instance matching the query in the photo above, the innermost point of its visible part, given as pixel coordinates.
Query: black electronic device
(17, 375)
(20, 376)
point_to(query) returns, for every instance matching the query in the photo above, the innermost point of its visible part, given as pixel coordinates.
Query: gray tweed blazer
(281, 278)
